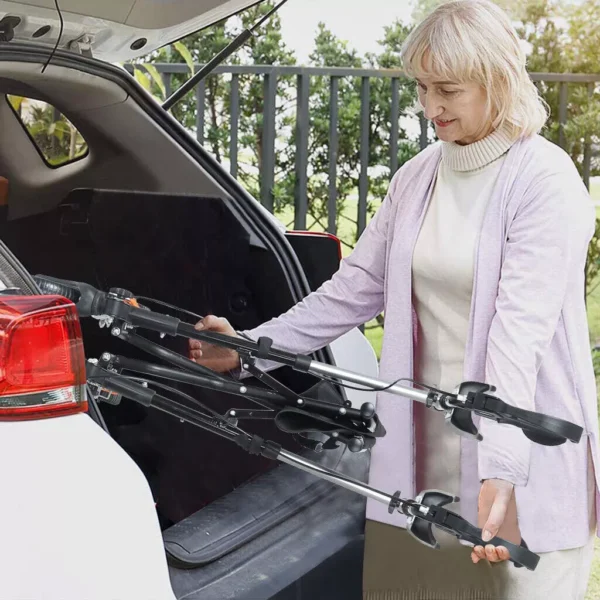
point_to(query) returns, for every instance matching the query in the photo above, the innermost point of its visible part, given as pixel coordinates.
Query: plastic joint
(264, 347)
(395, 502)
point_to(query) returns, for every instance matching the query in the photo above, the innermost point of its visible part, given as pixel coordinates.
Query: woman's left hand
(497, 515)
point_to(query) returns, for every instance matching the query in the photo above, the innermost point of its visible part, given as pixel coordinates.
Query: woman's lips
(444, 124)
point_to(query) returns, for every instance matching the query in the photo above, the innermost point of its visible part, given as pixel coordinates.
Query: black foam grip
(57, 287)
(549, 431)
(302, 363)
(519, 555)
(523, 545)
(545, 439)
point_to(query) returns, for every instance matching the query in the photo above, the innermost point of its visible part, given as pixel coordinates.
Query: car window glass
(55, 137)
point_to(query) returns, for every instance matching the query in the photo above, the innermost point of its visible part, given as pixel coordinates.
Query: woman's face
(456, 109)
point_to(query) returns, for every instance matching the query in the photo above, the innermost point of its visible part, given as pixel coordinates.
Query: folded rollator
(320, 418)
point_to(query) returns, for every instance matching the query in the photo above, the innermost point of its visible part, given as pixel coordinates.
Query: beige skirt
(398, 567)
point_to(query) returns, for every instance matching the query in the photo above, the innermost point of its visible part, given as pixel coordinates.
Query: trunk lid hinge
(82, 45)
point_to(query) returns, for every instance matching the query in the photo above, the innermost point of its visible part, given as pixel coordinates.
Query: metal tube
(289, 359)
(172, 408)
(333, 476)
(229, 387)
(318, 368)
(347, 72)
(206, 69)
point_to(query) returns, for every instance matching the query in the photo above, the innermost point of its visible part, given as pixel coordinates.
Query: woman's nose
(432, 107)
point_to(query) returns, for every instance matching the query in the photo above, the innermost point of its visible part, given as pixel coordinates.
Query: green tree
(196, 49)
(562, 37)
(329, 51)
(394, 36)
(54, 135)
(266, 47)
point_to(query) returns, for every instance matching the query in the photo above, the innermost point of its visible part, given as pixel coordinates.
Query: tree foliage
(560, 37)
(56, 138)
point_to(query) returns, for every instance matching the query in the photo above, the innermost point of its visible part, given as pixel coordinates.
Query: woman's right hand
(208, 355)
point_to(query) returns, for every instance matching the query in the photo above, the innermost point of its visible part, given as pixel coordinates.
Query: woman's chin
(445, 135)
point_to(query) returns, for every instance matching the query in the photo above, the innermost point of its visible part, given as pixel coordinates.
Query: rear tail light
(323, 234)
(42, 361)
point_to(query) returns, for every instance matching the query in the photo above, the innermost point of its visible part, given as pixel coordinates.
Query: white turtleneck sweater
(442, 271)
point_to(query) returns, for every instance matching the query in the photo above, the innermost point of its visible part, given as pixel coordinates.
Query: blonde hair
(474, 40)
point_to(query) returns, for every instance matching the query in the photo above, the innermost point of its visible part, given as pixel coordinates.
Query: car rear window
(55, 137)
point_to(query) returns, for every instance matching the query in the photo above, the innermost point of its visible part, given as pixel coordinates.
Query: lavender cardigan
(528, 334)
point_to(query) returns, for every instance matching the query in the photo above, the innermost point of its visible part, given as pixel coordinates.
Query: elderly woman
(477, 257)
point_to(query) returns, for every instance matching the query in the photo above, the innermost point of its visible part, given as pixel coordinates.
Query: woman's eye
(449, 92)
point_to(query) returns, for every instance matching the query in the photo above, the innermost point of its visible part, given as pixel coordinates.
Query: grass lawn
(374, 334)
(595, 189)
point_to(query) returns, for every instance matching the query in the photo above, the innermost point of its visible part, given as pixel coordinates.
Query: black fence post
(200, 109)
(394, 118)
(562, 113)
(333, 154)
(267, 175)
(363, 181)
(234, 124)
(302, 125)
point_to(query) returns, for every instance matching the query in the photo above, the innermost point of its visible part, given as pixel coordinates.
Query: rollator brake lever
(472, 397)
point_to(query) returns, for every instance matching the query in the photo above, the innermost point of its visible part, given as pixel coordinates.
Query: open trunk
(220, 508)
(189, 252)
(234, 525)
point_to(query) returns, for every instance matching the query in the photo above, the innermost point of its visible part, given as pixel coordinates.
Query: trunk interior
(190, 252)
(234, 525)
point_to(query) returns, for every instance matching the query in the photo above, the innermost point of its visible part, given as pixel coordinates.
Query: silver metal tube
(319, 368)
(333, 476)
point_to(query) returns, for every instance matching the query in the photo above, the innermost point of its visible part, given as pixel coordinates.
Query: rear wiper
(212, 64)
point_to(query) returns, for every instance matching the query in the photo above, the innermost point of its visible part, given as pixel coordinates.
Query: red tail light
(42, 362)
(323, 234)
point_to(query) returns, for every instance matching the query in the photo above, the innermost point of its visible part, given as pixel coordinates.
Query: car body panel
(78, 516)
(115, 27)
